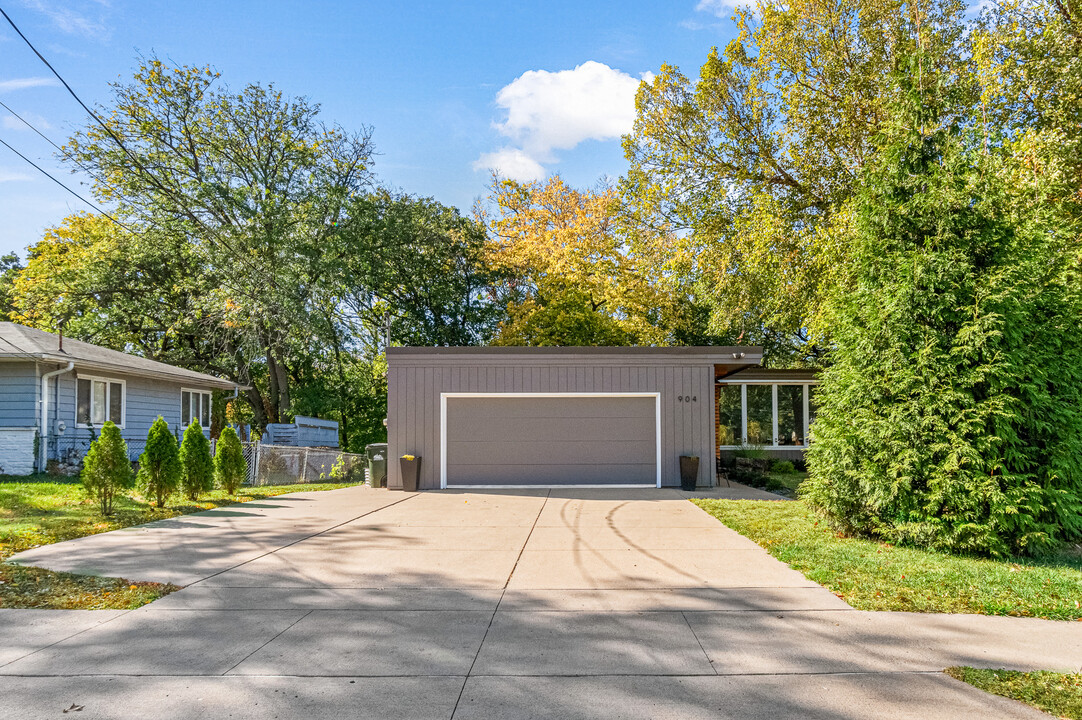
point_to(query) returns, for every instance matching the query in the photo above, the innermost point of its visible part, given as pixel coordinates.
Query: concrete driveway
(564, 604)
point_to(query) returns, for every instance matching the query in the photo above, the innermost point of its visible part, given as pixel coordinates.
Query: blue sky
(450, 89)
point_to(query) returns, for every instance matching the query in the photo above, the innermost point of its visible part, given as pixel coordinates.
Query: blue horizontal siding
(18, 394)
(146, 400)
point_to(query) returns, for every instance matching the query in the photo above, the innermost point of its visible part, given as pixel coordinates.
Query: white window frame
(443, 431)
(108, 391)
(210, 406)
(807, 385)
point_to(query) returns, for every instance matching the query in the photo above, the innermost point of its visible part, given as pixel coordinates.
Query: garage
(550, 440)
(556, 417)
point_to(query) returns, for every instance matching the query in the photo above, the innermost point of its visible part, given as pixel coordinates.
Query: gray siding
(555, 441)
(18, 394)
(415, 383)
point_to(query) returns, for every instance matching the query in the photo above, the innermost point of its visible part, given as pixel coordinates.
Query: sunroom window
(766, 414)
(98, 400)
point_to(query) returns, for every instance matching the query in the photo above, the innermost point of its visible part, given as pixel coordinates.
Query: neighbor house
(56, 393)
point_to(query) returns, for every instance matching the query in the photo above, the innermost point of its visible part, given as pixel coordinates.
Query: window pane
(760, 415)
(116, 402)
(185, 408)
(729, 415)
(82, 402)
(790, 415)
(204, 417)
(97, 404)
(812, 407)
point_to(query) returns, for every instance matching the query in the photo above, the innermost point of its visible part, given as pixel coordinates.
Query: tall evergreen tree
(159, 465)
(952, 416)
(197, 464)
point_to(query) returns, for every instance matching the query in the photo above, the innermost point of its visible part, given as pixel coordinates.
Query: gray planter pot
(689, 472)
(411, 471)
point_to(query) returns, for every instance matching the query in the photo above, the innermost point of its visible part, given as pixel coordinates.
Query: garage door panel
(565, 430)
(612, 474)
(550, 407)
(590, 453)
(537, 440)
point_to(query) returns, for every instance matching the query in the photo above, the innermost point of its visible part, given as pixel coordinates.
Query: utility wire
(46, 174)
(26, 122)
(135, 161)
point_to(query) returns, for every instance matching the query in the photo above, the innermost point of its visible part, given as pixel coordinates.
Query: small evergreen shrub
(782, 466)
(106, 468)
(230, 467)
(198, 466)
(159, 465)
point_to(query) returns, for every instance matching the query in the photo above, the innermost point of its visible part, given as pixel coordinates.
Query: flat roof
(733, 355)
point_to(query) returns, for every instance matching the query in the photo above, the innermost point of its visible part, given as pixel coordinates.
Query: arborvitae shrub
(198, 466)
(106, 468)
(159, 465)
(230, 467)
(951, 417)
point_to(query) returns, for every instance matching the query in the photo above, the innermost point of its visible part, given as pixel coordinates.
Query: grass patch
(871, 575)
(42, 510)
(1056, 693)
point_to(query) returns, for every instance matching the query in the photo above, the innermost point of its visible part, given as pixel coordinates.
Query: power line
(46, 174)
(26, 122)
(120, 143)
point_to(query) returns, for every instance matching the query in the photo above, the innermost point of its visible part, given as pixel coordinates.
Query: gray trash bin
(377, 464)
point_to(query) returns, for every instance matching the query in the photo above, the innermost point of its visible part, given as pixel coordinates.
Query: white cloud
(547, 111)
(511, 163)
(10, 122)
(12, 176)
(70, 21)
(720, 8)
(24, 83)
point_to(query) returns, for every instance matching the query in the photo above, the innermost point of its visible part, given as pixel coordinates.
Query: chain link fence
(267, 464)
(286, 465)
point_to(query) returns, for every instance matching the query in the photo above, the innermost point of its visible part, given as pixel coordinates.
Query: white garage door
(550, 440)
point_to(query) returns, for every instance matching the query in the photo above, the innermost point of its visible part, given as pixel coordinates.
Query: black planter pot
(411, 470)
(689, 472)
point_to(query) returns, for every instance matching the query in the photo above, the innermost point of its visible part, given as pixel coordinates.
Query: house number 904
(688, 398)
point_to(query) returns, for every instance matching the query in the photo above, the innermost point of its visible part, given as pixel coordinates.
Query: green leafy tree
(106, 468)
(197, 465)
(230, 467)
(254, 185)
(10, 267)
(751, 165)
(567, 318)
(951, 417)
(159, 466)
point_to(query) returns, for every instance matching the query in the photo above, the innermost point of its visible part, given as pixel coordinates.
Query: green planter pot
(411, 471)
(689, 472)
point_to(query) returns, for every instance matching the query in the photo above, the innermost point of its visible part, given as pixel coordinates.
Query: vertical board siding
(413, 408)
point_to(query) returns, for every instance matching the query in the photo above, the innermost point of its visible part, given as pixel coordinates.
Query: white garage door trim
(443, 431)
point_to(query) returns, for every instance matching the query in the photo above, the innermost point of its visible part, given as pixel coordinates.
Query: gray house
(560, 416)
(55, 392)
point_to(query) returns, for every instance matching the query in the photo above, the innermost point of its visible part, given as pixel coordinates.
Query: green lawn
(1055, 693)
(41, 510)
(871, 575)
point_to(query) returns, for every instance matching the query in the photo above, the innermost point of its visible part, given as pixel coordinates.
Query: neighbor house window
(195, 405)
(98, 400)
